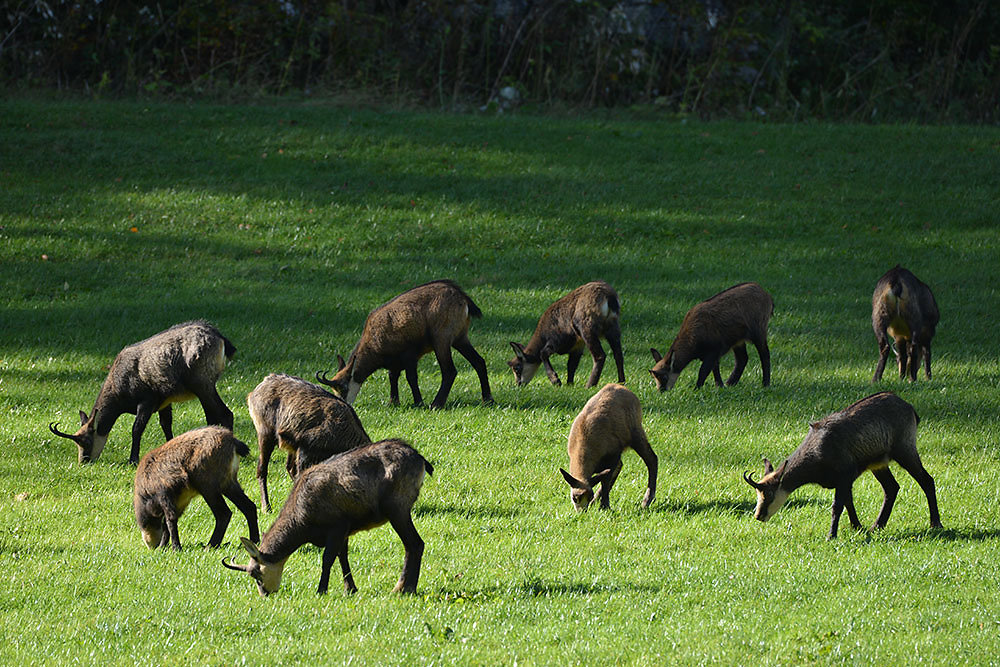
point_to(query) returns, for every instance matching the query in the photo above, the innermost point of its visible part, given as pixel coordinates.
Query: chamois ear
(572, 481)
(340, 363)
(251, 548)
(518, 349)
(83, 417)
(781, 470)
(768, 468)
(597, 478)
(814, 425)
(656, 354)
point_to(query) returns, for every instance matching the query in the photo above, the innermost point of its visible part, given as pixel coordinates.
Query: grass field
(285, 224)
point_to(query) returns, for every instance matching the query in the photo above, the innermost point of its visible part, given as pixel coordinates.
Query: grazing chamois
(576, 321)
(348, 493)
(305, 420)
(203, 462)
(609, 423)
(841, 447)
(433, 317)
(904, 317)
(713, 327)
(179, 364)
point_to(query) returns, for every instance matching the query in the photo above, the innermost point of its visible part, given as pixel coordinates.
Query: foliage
(284, 224)
(857, 60)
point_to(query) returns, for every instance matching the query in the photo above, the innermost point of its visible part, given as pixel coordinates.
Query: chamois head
(523, 365)
(88, 441)
(266, 574)
(342, 383)
(664, 372)
(581, 492)
(770, 495)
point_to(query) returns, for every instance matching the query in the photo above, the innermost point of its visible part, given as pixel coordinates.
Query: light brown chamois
(904, 317)
(358, 490)
(203, 462)
(576, 321)
(433, 317)
(608, 424)
(840, 448)
(175, 365)
(714, 327)
(305, 420)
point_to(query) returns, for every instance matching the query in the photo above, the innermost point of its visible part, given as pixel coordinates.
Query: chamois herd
(345, 483)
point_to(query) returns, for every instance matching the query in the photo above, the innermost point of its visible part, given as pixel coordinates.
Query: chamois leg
(740, 353)
(902, 356)
(605, 493)
(265, 444)
(166, 416)
(843, 496)
(550, 372)
(336, 542)
(614, 336)
(597, 352)
(345, 569)
(216, 411)
(927, 361)
(709, 365)
(883, 356)
(222, 514)
(571, 365)
(413, 546)
(411, 379)
(913, 465)
(764, 352)
(464, 347)
(914, 361)
(891, 488)
(142, 415)
(448, 375)
(246, 507)
(641, 446)
(170, 516)
(394, 386)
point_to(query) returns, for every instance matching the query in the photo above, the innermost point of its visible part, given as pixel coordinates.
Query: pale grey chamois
(309, 423)
(433, 317)
(576, 321)
(904, 318)
(348, 493)
(609, 423)
(841, 447)
(179, 364)
(203, 462)
(714, 327)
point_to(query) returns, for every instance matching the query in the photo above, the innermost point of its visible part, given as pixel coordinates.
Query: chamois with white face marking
(840, 448)
(358, 490)
(609, 423)
(179, 364)
(305, 420)
(904, 318)
(433, 317)
(203, 462)
(714, 327)
(576, 321)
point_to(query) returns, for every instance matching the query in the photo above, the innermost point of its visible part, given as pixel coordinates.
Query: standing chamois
(579, 319)
(179, 364)
(306, 421)
(346, 494)
(202, 462)
(840, 448)
(713, 327)
(903, 310)
(609, 423)
(433, 317)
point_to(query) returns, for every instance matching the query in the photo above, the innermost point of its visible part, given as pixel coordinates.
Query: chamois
(904, 310)
(305, 420)
(579, 319)
(348, 493)
(609, 423)
(175, 365)
(431, 317)
(841, 447)
(713, 327)
(202, 462)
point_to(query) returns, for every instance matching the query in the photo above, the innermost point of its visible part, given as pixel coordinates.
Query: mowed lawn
(285, 223)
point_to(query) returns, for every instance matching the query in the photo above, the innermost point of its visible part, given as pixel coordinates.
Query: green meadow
(285, 223)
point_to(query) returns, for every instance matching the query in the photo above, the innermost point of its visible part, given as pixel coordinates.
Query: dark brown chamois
(203, 462)
(305, 420)
(714, 327)
(179, 364)
(841, 447)
(576, 321)
(904, 317)
(608, 424)
(358, 490)
(433, 317)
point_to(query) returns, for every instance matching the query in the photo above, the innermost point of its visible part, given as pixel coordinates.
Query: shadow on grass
(469, 512)
(536, 587)
(942, 535)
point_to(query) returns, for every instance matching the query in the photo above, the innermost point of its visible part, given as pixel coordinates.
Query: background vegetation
(284, 224)
(862, 60)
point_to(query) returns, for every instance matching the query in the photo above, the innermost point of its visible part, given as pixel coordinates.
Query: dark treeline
(924, 60)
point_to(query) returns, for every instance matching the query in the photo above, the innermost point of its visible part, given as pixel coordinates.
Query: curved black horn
(322, 378)
(53, 427)
(234, 566)
(748, 478)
